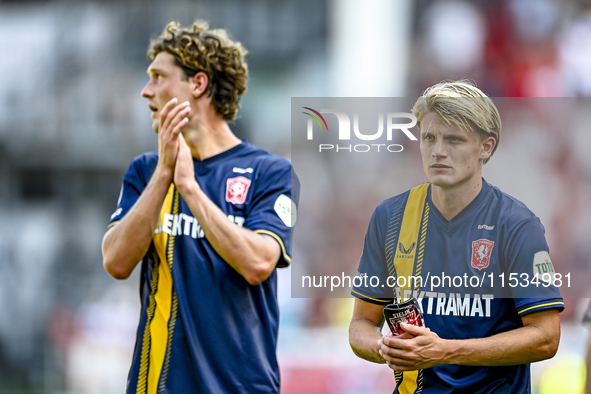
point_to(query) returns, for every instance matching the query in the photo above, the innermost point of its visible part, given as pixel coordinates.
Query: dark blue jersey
(474, 275)
(203, 328)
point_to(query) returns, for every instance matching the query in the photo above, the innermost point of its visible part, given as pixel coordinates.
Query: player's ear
(487, 146)
(199, 84)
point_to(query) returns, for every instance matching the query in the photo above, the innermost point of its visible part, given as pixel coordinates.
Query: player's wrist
(189, 189)
(163, 173)
(453, 350)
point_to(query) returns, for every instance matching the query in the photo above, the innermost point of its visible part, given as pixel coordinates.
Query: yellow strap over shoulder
(408, 241)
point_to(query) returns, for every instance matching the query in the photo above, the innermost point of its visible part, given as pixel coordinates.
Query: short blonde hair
(461, 103)
(195, 48)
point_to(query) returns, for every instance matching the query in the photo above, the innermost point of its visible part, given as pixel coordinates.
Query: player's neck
(451, 201)
(209, 136)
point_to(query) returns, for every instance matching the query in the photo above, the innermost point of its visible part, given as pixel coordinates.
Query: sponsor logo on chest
(183, 224)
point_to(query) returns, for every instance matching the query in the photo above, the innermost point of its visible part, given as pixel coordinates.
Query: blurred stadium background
(71, 119)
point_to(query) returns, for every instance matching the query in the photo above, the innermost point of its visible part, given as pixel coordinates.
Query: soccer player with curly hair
(210, 217)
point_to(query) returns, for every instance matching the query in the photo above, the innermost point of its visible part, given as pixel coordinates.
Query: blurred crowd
(512, 48)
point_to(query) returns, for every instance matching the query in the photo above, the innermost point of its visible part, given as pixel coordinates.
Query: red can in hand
(408, 312)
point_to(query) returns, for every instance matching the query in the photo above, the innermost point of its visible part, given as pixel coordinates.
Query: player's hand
(417, 348)
(173, 117)
(184, 171)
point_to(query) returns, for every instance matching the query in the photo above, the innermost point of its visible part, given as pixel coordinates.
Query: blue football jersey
(203, 328)
(474, 276)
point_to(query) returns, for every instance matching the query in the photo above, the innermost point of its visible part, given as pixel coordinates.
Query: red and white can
(408, 312)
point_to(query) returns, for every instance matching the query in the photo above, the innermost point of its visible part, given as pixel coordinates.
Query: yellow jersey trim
(540, 306)
(146, 337)
(157, 325)
(272, 234)
(408, 260)
(409, 234)
(409, 382)
(174, 307)
(369, 298)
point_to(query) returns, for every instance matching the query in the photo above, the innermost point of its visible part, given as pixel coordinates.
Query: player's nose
(147, 91)
(439, 148)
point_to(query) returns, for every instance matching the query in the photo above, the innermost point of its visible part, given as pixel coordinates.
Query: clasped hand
(417, 348)
(174, 154)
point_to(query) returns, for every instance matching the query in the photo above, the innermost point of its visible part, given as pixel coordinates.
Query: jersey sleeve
(373, 263)
(273, 210)
(528, 253)
(134, 182)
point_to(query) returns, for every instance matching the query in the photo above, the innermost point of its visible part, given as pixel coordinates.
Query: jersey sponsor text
(183, 224)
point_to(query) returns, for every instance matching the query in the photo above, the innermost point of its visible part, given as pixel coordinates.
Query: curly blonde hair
(461, 103)
(197, 49)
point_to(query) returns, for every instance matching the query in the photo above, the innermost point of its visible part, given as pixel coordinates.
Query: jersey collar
(471, 208)
(221, 156)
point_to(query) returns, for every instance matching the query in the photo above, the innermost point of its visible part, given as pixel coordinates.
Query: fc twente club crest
(481, 252)
(237, 189)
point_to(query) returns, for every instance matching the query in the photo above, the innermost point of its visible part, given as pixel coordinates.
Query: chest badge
(237, 189)
(481, 253)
